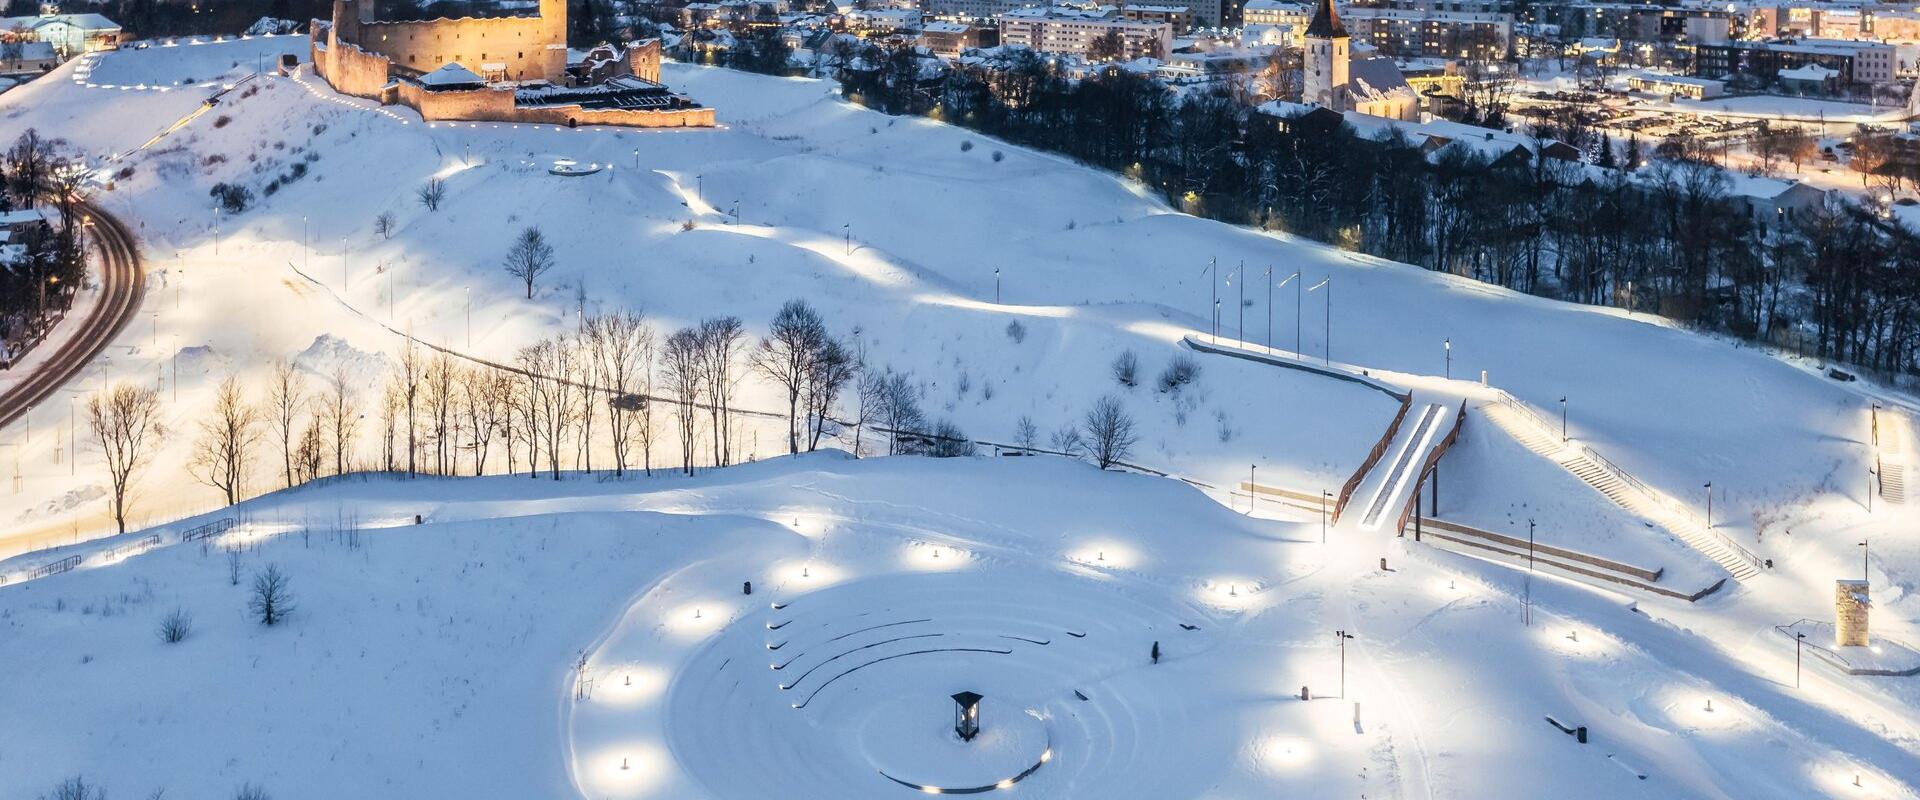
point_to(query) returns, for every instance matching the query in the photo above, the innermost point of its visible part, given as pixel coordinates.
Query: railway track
(122, 286)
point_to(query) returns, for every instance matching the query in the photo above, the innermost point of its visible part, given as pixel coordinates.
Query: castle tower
(1326, 58)
(553, 26)
(1850, 605)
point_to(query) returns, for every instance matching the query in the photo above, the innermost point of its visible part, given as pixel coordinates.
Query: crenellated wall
(498, 48)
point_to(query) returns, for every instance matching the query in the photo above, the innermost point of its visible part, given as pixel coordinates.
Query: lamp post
(216, 230)
(1327, 284)
(966, 715)
(467, 291)
(849, 231)
(1865, 551)
(1448, 346)
(1527, 597)
(1324, 497)
(1563, 418)
(306, 246)
(636, 158)
(1253, 492)
(1799, 639)
(1709, 488)
(1213, 285)
(996, 286)
(1299, 297)
(1240, 327)
(1342, 637)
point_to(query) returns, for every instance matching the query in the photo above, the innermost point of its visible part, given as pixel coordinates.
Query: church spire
(1326, 22)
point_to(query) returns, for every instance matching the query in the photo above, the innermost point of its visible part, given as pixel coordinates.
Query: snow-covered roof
(1274, 5)
(452, 74)
(24, 216)
(85, 22)
(1375, 79)
(1809, 72)
(36, 51)
(945, 27)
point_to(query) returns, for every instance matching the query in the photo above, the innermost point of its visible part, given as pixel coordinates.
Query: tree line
(1666, 233)
(38, 283)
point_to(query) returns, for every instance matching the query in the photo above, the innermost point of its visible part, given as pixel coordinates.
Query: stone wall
(499, 48)
(1850, 613)
(351, 70)
(496, 105)
(644, 59)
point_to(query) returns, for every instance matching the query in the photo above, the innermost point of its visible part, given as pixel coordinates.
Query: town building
(1074, 31)
(1677, 86)
(950, 39)
(70, 34)
(1857, 62)
(972, 10)
(1334, 79)
(27, 58)
(1428, 32)
(1180, 17)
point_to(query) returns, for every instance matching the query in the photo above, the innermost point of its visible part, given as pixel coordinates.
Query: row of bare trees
(443, 414)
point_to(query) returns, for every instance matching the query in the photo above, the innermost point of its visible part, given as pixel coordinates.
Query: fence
(63, 565)
(1426, 467)
(214, 528)
(1373, 457)
(142, 545)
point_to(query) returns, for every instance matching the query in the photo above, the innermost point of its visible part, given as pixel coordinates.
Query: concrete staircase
(1529, 431)
(1893, 456)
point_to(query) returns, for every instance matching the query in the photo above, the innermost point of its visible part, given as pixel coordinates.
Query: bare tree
(1026, 435)
(871, 387)
(76, 788)
(623, 350)
(286, 396)
(224, 450)
(432, 194)
(786, 354)
(125, 422)
(272, 601)
(438, 382)
(412, 373)
(550, 369)
(383, 224)
(342, 412)
(481, 388)
(311, 453)
(586, 371)
(392, 399)
(530, 257)
(720, 340)
(1109, 432)
(899, 407)
(827, 376)
(684, 375)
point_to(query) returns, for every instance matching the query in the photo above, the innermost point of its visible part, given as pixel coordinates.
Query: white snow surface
(434, 661)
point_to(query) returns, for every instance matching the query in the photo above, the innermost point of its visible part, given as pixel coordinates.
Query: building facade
(1857, 62)
(1411, 33)
(1074, 31)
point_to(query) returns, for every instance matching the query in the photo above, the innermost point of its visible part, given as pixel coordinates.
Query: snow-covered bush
(1181, 371)
(232, 198)
(272, 601)
(1126, 369)
(76, 788)
(176, 626)
(1016, 331)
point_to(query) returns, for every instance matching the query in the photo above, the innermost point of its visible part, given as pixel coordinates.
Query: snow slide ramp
(1385, 491)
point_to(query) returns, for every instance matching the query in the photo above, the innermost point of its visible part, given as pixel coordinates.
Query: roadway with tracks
(122, 286)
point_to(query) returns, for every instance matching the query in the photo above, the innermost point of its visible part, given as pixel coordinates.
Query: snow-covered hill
(927, 242)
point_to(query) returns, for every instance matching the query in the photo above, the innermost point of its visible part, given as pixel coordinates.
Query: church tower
(1325, 81)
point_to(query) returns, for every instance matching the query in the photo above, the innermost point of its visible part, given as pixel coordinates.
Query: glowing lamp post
(966, 715)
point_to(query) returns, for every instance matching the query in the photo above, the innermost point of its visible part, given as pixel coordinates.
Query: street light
(1709, 488)
(1864, 552)
(1327, 283)
(1448, 345)
(1527, 598)
(1324, 497)
(1253, 491)
(1343, 636)
(1563, 418)
(996, 286)
(1799, 639)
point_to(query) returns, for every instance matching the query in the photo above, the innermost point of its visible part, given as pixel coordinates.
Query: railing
(1373, 458)
(63, 565)
(1660, 498)
(214, 528)
(142, 545)
(1426, 466)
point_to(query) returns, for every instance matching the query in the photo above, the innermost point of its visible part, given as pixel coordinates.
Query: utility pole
(1240, 327)
(1799, 639)
(1267, 279)
(1343, 636)
(1527, 600)
(1213, 285)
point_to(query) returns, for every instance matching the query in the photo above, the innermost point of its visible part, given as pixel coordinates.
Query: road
(122, 286)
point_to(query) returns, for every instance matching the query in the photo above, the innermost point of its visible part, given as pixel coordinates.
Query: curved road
(123, 284)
